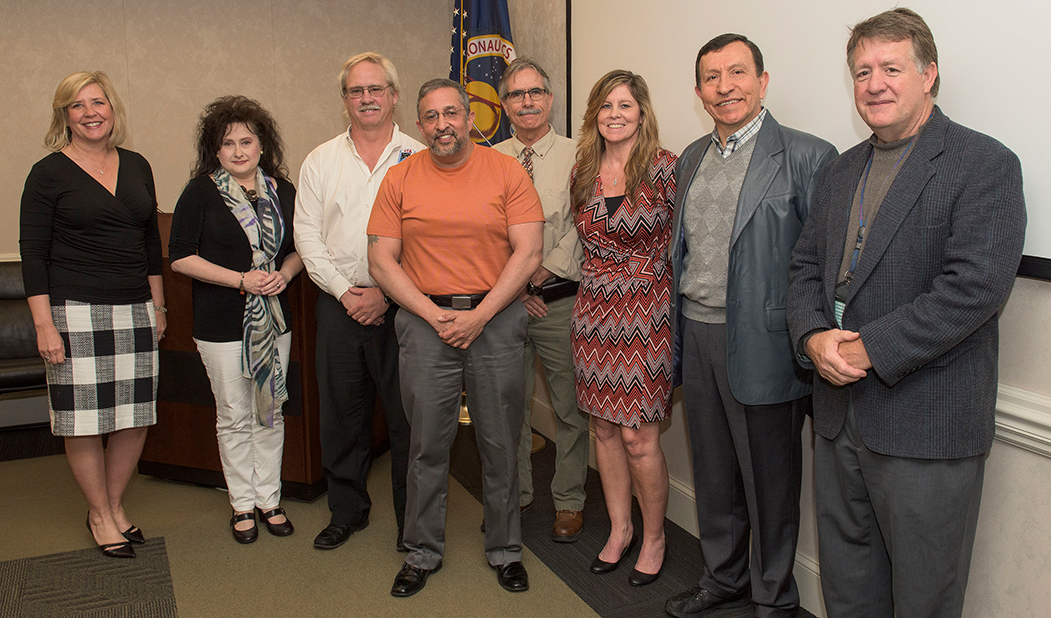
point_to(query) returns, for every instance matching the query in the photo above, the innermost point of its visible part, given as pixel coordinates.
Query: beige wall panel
(539, 31)
(40, 43)
(181, 56)
(1025, 347)
(314, 40)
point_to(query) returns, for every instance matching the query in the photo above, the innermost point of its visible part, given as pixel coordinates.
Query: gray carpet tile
(84, 583)
(609, 595)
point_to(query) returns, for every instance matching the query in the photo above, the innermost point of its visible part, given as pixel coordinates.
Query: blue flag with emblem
(481, 50)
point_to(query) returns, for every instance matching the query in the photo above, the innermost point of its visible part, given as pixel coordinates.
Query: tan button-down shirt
(553, 159)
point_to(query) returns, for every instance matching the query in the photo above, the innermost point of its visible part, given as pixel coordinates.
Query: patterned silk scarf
(263, 320)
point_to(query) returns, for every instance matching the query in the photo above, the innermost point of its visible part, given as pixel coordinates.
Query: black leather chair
(21, 368)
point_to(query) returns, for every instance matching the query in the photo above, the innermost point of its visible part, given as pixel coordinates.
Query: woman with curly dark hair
(232, 233)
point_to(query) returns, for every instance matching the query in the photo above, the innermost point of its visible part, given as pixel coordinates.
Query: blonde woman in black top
(91, 261)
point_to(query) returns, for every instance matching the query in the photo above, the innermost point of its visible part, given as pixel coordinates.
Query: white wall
(990, 54)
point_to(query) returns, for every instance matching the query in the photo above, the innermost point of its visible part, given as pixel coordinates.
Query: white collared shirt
(333, 203)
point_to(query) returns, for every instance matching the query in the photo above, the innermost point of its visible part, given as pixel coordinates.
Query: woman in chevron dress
(623, 191)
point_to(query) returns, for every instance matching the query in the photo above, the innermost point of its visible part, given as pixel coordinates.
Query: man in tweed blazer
(897, 313)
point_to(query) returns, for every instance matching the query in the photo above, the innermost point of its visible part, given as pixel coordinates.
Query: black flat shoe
(134, 535)
(411, 580)
(284, 528)
(599, 566)
(112, 550)
(244, 536)
(638, 578)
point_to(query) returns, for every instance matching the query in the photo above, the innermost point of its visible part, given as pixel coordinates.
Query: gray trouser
(432, 374)
(549, 338)
(747, 469)
(895, 533)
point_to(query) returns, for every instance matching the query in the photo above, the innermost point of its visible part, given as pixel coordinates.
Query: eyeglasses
(451, 115)
(534, 93)
(358, 92)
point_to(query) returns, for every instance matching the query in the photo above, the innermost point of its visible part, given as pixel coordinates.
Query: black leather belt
(554, 289)
(457, 301)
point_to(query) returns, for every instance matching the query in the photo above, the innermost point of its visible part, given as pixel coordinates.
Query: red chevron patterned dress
(622, 351)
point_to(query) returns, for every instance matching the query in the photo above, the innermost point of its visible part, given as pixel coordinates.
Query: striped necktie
(527, 161)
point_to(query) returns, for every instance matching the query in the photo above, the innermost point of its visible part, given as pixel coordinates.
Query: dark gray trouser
(895, 533)
(431, 377)
(747, 466)
(356, 363)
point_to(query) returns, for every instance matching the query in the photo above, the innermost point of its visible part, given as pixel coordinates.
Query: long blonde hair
(58, 134)
(591, 145)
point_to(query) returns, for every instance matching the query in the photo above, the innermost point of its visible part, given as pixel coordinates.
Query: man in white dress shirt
(357, 348)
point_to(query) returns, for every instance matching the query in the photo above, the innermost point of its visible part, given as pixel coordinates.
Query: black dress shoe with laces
(284, 528)
(512, 576)
(699, 602)
(244, 536)
(411, 580)
(335, 535)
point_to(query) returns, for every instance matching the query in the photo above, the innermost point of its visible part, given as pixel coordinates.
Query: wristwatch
(532, 290)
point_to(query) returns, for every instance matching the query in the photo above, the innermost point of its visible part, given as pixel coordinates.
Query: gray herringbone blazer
(938, 264)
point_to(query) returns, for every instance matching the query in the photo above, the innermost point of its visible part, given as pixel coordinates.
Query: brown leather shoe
(568, 525)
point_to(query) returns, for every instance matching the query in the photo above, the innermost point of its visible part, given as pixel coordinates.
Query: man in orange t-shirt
(454, 235)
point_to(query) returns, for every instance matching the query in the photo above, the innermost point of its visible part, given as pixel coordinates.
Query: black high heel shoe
(638, 578)
(599, 566)
(134, 535)
(112, 550)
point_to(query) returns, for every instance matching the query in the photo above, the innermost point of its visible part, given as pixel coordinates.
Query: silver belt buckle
(461, 302)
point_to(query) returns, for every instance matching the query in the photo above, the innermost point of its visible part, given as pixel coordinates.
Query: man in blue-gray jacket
(743, 196)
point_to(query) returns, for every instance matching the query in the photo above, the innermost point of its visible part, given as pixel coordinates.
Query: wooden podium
(182, 445)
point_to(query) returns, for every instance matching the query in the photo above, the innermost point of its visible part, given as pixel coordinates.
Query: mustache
(371, 107)
(532, 111)
(444, 132)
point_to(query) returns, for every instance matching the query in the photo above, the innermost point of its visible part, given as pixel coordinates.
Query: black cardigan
(79, 242)
(203, 225)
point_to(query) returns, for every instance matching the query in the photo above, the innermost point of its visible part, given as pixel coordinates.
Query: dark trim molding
(1035, 267)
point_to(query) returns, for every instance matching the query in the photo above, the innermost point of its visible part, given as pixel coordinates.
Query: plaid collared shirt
(739, 138)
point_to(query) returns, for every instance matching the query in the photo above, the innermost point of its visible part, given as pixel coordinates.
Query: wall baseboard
(1023, 419)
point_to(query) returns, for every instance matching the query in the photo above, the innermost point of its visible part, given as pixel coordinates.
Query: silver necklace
(610, 169)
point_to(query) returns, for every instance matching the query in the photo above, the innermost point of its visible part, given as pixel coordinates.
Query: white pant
(250, 452)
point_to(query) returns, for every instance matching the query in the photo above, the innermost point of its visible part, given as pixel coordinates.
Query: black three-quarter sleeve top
(79, 242)
(204, 226)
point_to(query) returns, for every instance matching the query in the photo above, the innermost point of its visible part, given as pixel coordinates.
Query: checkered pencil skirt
(109, 379)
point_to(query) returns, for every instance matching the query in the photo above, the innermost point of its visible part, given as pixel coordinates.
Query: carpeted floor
(609, 595)
(214, 576)
(86, 583)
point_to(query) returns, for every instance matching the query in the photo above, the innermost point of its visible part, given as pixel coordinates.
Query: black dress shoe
(335, 535)
(599, 566)
(284, 528)
(134, 535)
(699, 602)
(244, 536)
(512, 576)
(411, 580)
(113, 550)
(399, 544)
